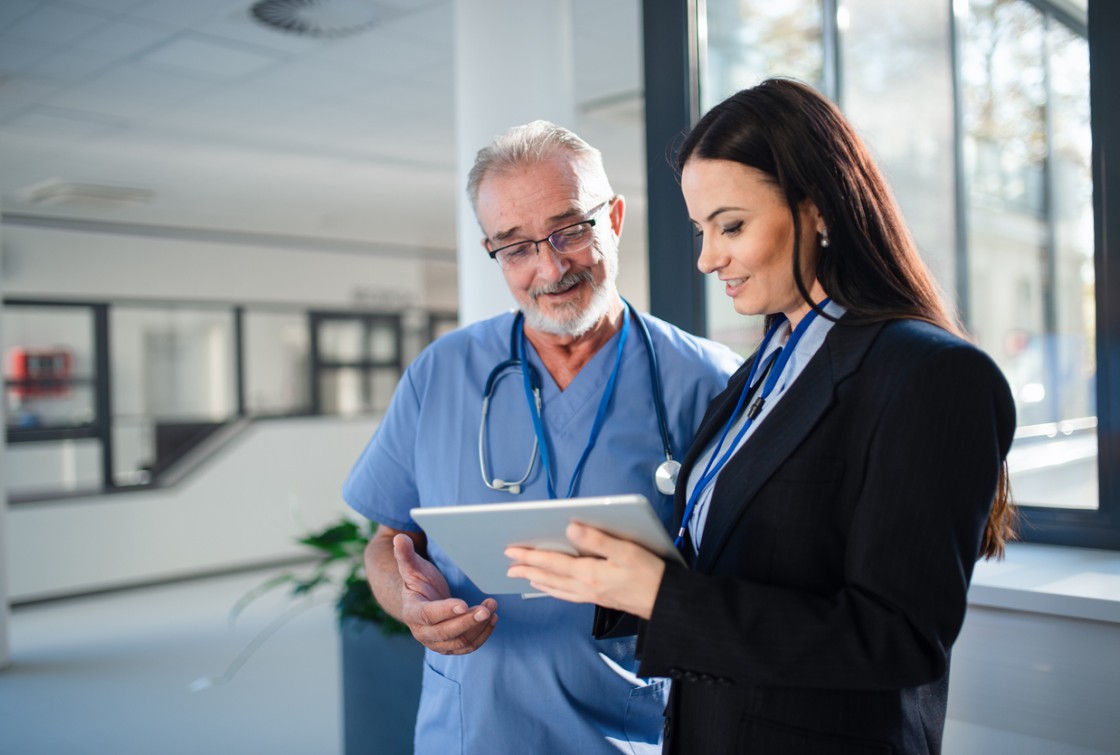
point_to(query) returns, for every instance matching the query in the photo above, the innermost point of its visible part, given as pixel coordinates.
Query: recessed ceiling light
(316, 18)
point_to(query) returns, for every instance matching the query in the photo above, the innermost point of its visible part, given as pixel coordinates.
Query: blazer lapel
(714, 417)
(783, 430)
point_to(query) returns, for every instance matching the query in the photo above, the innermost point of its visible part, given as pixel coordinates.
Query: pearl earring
(824, 237)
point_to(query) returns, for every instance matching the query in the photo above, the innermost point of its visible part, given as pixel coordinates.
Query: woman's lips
(732, 285)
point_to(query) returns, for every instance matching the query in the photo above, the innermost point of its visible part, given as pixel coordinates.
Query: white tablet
(476, 536)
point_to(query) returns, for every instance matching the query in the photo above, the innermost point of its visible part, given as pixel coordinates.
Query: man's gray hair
(530, 144)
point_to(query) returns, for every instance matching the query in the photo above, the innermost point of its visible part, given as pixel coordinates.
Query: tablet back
(476, 536)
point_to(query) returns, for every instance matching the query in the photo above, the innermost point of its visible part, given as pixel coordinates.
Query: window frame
(672, 36)
(1099, 528)
(101, 428)
(366, 364)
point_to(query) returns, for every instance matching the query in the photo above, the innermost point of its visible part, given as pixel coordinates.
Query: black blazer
(839, 544)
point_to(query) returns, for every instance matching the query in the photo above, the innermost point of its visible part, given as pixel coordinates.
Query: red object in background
(40, 372)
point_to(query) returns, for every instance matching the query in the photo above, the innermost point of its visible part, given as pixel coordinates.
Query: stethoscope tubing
(531, 377)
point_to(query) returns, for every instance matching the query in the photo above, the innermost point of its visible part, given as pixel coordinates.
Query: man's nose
(550, 263)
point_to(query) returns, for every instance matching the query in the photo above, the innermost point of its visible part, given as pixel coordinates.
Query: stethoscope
(665, 476)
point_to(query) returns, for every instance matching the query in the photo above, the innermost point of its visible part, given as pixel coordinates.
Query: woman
(839, 492)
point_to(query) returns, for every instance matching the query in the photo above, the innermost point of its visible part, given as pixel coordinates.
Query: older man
(536, 681)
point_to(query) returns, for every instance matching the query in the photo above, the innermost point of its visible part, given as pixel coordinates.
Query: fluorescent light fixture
(60, 191)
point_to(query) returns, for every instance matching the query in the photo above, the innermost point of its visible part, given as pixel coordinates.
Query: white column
(513, 64)
(5, 653)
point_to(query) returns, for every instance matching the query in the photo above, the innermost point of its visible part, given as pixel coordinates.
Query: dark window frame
(101, 429)
(320, 366)
(672, 60)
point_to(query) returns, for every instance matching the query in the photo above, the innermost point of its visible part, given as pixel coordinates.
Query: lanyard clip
(756, 408)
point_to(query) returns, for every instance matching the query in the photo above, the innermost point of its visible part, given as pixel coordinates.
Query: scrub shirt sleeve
(382, 485)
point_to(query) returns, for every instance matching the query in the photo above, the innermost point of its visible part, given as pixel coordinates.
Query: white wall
(1032, 683)
(246, 506)
(237, 510)
(93, 265)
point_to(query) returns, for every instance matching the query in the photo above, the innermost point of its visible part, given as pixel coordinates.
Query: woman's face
(748, 236)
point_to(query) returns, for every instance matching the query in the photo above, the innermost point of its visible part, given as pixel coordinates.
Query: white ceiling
(208, 120)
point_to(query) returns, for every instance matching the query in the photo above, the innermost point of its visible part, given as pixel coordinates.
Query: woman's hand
(617, 574)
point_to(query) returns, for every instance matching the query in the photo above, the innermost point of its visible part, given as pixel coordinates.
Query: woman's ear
(815, 218)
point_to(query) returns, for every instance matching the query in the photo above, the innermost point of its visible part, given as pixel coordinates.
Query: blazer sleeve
(929, 476)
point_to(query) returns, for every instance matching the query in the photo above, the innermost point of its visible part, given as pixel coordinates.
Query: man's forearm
(382, 574)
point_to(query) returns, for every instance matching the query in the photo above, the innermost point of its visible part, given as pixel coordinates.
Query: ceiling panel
(57, 24)
(209, 57)
(123, 38)
(237, 126)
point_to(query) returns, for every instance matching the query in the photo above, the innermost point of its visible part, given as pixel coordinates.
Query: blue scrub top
(540, 683)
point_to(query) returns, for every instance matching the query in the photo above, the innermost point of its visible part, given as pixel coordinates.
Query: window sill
(1077, 583)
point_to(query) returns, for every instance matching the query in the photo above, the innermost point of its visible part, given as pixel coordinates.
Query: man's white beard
(568, 320)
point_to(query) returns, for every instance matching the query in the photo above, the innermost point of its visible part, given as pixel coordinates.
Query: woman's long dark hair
(871, 267)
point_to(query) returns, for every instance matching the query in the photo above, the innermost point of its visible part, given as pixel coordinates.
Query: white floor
(113, 674)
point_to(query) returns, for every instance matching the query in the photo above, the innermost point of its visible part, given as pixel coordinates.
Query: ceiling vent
(316, 18)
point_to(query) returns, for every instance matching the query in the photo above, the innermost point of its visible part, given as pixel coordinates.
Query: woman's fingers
(618, 574)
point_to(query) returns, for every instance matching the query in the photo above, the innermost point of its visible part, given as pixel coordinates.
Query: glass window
(342, 391)
(1017, 254)
(359, 361)
(276, 362)
(893, 52)
(382, 341)
(341, 340)
(1025, 99)
(382, 383)
(748, 41)
(173, 376)
(49, 366)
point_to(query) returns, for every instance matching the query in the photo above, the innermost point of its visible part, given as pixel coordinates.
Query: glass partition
(49, 367)
(277, 349)
(50, 387)
(358, 359)
(102, 396)
(173, 379)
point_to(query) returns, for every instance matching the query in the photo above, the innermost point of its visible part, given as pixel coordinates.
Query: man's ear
(618, 213)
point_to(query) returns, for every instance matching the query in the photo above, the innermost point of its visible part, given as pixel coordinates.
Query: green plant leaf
(339, 566)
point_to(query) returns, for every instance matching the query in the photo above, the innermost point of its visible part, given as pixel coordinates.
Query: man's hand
(438, 621)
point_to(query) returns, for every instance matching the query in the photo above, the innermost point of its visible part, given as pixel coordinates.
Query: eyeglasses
(567, 240)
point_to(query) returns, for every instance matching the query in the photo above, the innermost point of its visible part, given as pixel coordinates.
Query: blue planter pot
(380, 690)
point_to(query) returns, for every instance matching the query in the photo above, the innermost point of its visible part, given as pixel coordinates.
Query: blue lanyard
(600, 415)
(775, 363)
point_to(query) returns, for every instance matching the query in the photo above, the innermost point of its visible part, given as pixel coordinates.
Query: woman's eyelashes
(731, 229)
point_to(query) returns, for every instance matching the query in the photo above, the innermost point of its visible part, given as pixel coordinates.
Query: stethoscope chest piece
(666, 476)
